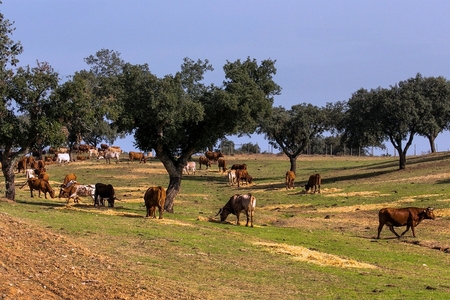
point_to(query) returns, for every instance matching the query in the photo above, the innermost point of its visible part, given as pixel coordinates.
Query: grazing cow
(231, 177)
(243, 175)
(155, 197)
(290, 177)
(409, 217)
(203, 160)
(104, 191)
(21, 165)
(213, 155)
(314, 181)
(236, 205)
(137, 155)
(75, 190)
(63, 157)
(111, 155)
(41, 186)
(239, 166)
(79, 157)
(222, 164)
(189, 167)
(68, 178)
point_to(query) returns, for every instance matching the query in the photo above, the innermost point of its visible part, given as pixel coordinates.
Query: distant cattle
(189, 167)
(41, 186)
(62, 157)
(155, 197)
(93, 153)
(83, 148)
(203, 160)
(30, 173)
(409, 217)
(138, 156)
(242, 175)
(79, 157)
(239, 166)
(232, 177)
(236, 205)
(104, 191)
(111, 155)
(115, 149)
(213, 155)
(314, 181)
(290, 177)
(222, 164)
(104, 147)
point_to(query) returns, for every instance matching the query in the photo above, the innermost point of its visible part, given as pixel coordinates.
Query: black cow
(103, 191)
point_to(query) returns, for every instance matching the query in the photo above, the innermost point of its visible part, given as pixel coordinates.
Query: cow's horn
(220, 210)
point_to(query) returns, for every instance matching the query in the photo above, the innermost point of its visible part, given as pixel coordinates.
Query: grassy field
(303, 246)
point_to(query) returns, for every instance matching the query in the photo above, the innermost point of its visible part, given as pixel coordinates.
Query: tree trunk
(431, 140)
(293, 161)
(8, 173)
(172, 191)
(402, 160)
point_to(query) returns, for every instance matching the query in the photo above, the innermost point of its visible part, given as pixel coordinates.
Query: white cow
(63, 157)
(113, 155)
(93, 153)
(232, 177)
(189, 167)
(30, 173)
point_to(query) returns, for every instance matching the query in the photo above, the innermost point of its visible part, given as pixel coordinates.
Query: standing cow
(189, 167)
(236, 205)
(155, 197)
(103, 191)
(409, 217)
(203, 160)
(290, 177)
(222, 165)
(112, 155)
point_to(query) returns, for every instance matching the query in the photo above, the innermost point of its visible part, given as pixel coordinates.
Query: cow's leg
(391, 228)
(246, 214)
(407, 228)
(319, 188)
(380, 227)
(237, 219)
(161, 209)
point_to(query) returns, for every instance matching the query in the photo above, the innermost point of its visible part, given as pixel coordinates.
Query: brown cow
(239, 166)
(203, 160)
(43, 176)
(137, 155)
(409, 217)
(290, 177)
(243, 175)
(41, 186)
(213, 155)
(314, 181)
(222, 164)
(155, 197)
(68, 178)
(236, 205)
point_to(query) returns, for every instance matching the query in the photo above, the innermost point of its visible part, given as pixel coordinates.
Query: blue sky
(325, 50)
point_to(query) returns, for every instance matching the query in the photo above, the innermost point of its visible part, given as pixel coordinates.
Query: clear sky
(325, 50)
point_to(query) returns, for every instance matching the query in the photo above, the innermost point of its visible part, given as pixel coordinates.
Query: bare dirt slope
(38, 264)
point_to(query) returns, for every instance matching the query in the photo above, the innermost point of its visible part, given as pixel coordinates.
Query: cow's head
(429, 214)
(307, 187)
(224, 212)
(111, 201)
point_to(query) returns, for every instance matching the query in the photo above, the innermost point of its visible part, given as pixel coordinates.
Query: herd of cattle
(154, 197)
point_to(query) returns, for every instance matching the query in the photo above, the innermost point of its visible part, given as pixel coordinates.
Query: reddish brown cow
(41, 186)
(409, 217)
(43, 176)
(239, 166)
(203, 160)
(222, 164)
(68, 178)
(314, 181)
(155, 197)
(213, 155)
(290, 177)
(243, 175)
(137, 155)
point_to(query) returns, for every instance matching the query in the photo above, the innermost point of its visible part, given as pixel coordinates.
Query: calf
(290, 177)
(104, 191)
(222, 164)
(409, 217)
(314, 181)
(189, 167)
(236, 205)
(242, 175)
(231, 177)
(41, 186)
(203, 160)
(155, 197)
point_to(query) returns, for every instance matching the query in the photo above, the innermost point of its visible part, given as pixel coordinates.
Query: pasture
(303, 246)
